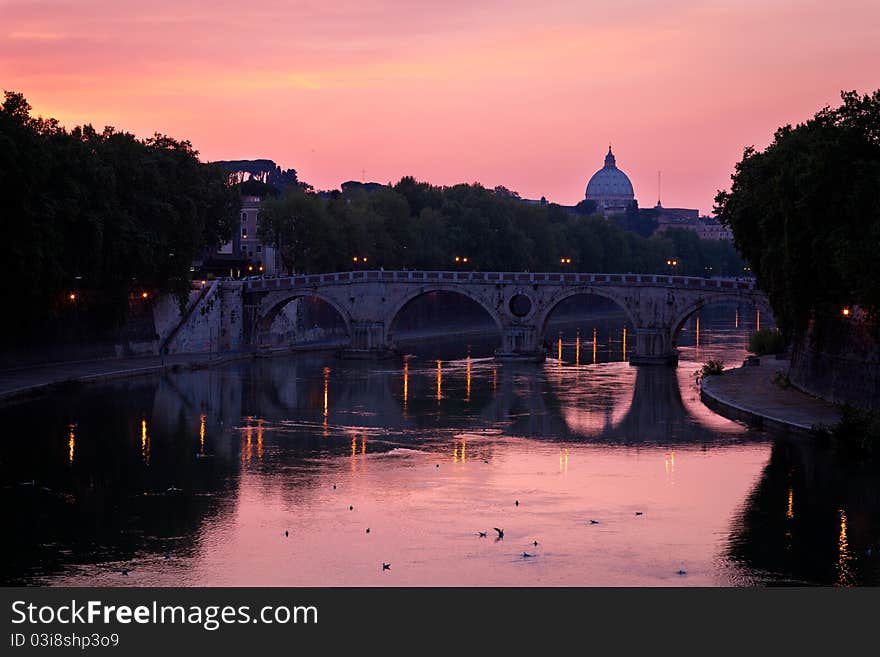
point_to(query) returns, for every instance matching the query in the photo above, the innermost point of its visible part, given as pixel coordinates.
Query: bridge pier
(520, 342)
(368, 342)
(653, 347)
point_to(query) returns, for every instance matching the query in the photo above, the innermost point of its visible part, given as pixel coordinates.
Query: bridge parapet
(508, 278)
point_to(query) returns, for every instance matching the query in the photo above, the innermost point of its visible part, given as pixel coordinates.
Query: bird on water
(483, 534)
(500, 533)
(386, 566)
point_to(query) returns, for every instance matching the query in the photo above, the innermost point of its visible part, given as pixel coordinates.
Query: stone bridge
(238, 315)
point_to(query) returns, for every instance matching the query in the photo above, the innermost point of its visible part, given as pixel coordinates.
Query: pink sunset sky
(522, 94)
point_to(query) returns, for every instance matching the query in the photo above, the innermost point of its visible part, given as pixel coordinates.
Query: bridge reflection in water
(211, 465)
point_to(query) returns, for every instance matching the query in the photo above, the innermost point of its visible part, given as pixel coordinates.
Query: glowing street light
(144, 295)
(72, 296)
(565, 261)
(846, 312)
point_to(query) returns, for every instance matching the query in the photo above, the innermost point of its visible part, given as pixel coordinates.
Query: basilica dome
(610, 187)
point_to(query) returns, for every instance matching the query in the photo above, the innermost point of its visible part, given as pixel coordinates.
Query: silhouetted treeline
(805, 213)
(421, 226)
(91, 217)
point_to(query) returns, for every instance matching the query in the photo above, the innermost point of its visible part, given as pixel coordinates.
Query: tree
(100, 211)
(301, 230)
(805, 213)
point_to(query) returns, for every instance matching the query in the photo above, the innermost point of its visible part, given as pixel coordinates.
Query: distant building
(706, 228)
(249, 246)
(244, 254)
(667, 218)
(710, 228)
(610, 188)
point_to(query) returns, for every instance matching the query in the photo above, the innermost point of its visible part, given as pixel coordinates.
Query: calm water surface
(192, 478)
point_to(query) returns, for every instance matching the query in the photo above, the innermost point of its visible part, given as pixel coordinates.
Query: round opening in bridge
(520, 305)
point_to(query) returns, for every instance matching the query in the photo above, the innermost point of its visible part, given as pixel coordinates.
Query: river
(309, 470)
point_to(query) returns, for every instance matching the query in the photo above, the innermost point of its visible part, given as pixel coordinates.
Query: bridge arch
(272, 306)
(544, 317)
(756, 301)
(398, 307)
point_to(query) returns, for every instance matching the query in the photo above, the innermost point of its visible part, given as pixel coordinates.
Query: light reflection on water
(209, 468)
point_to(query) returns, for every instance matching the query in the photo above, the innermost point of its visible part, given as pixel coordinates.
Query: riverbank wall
(839, 361)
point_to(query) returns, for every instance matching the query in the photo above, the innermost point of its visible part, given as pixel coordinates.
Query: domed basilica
(610, 188)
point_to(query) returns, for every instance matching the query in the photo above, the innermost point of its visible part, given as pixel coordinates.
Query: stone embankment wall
(838, 360)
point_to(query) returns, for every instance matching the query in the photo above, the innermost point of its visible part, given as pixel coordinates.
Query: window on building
(259, 248)
(244, 233)
(243, 217)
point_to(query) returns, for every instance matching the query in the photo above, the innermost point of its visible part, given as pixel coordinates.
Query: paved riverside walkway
(749, 393)
(25, 380)
(32, 379)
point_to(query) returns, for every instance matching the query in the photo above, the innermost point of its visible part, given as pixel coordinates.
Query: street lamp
(672, 263)
(461, 260)
(846, 312)
(565, 261)
(359, 259)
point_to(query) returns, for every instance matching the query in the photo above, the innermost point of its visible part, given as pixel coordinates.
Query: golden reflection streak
(468, 380)
(405, 384)
(326, 395)
(494, 380)
(789, 512)
(559, 348)
(758, 320)
(439, 380)
(736, 319)
(260, 438)
(364, 444)
(202, 419)
(459, 450)
(577, 348)
(595, 333)
(71, 442)
(669, 464)
(563, 460)
(844, 574)
(249, 436)
(145, 442)
(354, 453)
(624, 343)
(698, 331)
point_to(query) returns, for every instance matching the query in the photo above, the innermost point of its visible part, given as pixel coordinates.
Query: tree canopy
(805, 213)
(413, 224)
(99, 211)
